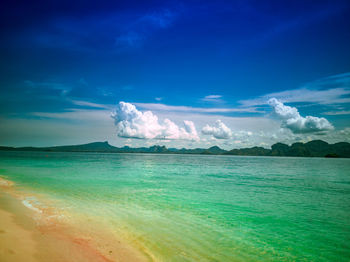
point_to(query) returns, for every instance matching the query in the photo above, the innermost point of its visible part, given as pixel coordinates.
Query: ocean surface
(199, 207)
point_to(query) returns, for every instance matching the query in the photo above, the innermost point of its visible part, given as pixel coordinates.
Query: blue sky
(65, 66)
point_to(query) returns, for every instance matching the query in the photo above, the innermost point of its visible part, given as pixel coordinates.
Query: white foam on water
(28, 202)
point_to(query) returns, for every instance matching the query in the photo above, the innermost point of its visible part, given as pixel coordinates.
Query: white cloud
(212, 98)
(292, 120)
(133, 123)
(219, 130)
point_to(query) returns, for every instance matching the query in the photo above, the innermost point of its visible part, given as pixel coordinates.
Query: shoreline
(31, 233)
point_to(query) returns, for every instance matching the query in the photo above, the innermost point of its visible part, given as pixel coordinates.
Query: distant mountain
(95, 147)
(279, 149)
(214, 150)
(315, 148)
(91, 147)
(253, 151)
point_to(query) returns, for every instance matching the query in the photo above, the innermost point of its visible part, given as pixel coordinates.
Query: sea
(198, 207)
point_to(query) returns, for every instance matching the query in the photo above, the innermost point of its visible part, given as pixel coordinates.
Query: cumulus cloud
(219, 130)
(292, 120)
(132, 123)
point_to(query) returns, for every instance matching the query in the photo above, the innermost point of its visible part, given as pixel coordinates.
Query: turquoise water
(202, 208)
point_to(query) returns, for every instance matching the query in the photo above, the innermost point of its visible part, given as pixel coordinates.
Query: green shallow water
(202, 208)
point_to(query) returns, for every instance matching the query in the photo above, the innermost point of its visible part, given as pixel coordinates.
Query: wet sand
(29, 235)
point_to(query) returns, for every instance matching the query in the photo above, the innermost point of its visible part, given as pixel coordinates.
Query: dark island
(315, 148)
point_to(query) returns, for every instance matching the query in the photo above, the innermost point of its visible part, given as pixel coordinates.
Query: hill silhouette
(315, 148)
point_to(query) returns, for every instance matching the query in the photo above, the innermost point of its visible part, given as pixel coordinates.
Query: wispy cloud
(130, 39)
(90, 104)
(161, 18)
(163, 107)
(139, 30)
(48, 85)
(315, 15)
(335, 113)
(325, 91)
(72, 95)
(74, 114)
(212, 98)
(304, 95)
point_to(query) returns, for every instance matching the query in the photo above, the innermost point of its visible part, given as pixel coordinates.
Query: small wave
(31, 202)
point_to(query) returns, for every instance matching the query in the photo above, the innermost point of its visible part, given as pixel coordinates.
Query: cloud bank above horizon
(131, 123)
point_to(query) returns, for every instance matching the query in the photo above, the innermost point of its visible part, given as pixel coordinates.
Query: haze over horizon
(181, 74)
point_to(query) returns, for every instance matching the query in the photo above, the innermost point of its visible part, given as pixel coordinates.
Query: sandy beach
(27, 236)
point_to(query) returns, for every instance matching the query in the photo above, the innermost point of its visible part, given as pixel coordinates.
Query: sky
(175, 73)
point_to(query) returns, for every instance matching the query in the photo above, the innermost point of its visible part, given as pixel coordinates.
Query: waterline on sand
(53, 235)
